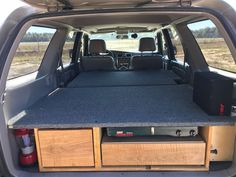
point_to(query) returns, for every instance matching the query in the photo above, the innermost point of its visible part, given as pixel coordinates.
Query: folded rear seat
(147, 61)
(95, 61)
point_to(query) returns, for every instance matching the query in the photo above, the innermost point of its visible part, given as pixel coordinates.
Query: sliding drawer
(66, 148)
(155, 152)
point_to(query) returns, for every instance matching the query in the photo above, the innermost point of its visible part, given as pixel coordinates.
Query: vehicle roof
(129, 16)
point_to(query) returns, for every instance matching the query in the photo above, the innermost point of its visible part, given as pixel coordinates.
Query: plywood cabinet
(91, 149)
(65, 148)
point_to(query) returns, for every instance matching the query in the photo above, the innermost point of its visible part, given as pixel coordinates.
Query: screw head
(192, 132)
(178, 132)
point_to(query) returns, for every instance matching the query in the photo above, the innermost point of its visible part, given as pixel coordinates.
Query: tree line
(45, 37)
(37, 37)
(40, 37)
(207, 33)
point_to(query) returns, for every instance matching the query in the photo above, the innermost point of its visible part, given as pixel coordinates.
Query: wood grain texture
(66, 148)
(97, 137)
(206, 133)
(154, 153)
(223, 138)
(38, 149)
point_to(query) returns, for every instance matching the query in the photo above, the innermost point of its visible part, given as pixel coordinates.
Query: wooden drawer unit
(65, 148)
(153, 152)
(92, 150)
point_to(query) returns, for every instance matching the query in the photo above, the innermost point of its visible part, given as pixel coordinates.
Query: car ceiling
(108, 22)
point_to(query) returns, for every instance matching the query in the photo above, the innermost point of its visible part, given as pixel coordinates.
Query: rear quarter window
(67, 48)
(30, 51)
(213, 45)
(177, 45)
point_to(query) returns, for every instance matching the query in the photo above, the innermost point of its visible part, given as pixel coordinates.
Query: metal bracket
(181, 3)
(3, 96)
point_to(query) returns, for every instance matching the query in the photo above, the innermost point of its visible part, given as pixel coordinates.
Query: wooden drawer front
(66, 148)
(183, 153)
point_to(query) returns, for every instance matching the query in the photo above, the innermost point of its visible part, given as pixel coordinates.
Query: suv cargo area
(174, 136)
(140, 89)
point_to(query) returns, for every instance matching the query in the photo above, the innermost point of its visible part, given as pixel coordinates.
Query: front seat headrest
(147, 44)
(97, 46)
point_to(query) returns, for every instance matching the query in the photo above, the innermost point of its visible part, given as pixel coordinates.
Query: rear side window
(30, 51)
(213, 45)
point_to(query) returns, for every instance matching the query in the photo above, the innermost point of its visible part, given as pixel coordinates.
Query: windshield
(121, 42)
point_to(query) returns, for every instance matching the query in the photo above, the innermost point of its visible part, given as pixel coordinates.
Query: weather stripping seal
(14, 119)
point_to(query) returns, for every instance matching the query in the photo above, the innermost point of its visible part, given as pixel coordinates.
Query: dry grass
(123, 45)
(29, 55)
(215, 52)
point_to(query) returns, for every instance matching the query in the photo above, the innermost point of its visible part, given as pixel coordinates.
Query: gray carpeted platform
(169, 105)
(123, 78)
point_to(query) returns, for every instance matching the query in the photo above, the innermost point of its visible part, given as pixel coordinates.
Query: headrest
(147, 44)
(97, 46)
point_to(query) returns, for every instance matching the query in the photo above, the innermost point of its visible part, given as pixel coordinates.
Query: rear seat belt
(62, 79)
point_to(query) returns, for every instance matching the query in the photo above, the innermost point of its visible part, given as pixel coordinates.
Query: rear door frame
(14, 32)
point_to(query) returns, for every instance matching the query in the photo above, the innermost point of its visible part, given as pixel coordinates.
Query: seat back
(148, 60)
(95, 61)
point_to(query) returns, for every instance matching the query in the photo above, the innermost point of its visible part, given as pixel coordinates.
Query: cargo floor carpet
(165, 105)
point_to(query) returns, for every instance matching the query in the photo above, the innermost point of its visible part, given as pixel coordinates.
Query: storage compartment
(92, 150)
(153, 151)
(65, 148)
(146, 131)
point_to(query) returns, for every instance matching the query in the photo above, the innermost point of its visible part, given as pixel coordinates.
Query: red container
(29, 159)
(26, 143)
